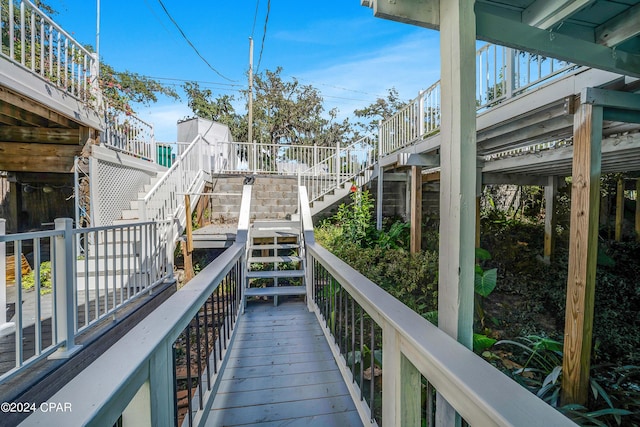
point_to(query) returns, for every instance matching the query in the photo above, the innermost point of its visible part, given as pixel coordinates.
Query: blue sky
(337, 46)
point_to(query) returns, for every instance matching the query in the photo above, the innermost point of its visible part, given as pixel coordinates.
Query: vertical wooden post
(188, 225)
(583, 251)
(638, 209)
(457, 158)
(457, 185)
(619, 209)
(478, 222)
(550, 218)
(187, 246)
(416, 209)
(379, 196)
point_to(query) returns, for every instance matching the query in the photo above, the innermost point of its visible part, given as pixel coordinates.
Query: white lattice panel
(117, 186)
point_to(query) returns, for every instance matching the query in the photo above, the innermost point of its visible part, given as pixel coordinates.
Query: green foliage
(29, 280)
(356, 218)
(381, 109)
(539, 369)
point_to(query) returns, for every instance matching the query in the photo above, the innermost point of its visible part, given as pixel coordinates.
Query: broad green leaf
(485, 283)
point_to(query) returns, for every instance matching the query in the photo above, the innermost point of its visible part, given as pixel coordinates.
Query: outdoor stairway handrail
(342, 167)
(480, 393)
(63, 61)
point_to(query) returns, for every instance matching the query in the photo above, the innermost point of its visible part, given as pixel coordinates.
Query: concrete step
(274, 246)
(275, 291)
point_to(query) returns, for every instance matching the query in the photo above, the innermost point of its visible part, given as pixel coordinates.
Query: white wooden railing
(57, 308)
(136, 380)
(126, 133)
(501, 73)
(165, 200)
(29, 38)
(353, 163)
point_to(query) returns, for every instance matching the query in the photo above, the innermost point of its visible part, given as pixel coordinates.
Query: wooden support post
(416, 209)
(550, 221)
(379, 196)
(619, 209)
(457, 185)
(457, 158)
(583, 251)
(188, 225)
(188, 262)
(638, 209)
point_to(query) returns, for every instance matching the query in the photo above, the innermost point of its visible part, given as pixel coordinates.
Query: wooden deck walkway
(281, 372)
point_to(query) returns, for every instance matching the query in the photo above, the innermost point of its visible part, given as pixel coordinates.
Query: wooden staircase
(274, 265)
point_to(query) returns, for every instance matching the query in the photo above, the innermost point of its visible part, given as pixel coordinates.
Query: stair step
(272, 246)
(280, 274)
(270, 259)
(275, 291)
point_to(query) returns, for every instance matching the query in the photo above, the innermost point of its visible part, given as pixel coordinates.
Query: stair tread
(275, 291)
(273, 274)
(275, 246)
(267, 259)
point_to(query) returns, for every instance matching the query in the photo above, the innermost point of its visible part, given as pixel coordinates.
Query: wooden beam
(550, 218)
(14, 102)
(423, 13)
(25, 157)
(545, 14)
(583, 251)
(39, 135)
(431, 177)
(416, 209)
(620, 28)
(619, 209)
(638, 209)
(507, 32)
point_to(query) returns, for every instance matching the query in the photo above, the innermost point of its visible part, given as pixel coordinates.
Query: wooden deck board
(281, 372)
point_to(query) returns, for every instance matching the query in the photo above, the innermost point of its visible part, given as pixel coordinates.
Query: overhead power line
(264, 34)
(255, 17)
(191, 44)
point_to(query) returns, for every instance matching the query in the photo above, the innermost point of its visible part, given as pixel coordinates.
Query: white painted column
(458, 170)
(457, 180)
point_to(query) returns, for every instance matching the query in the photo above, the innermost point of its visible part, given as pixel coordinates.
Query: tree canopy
(288, 112)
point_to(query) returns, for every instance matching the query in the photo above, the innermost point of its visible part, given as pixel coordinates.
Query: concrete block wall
(273, 197)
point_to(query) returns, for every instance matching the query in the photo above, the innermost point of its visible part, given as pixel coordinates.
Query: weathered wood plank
(266, 382)
(279, 395)
(279, 411)
(550, 219)
(39, 135)
(281, 371)
(583, 248)
(22, 108)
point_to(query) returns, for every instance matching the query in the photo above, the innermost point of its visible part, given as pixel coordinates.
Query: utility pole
(250, 133)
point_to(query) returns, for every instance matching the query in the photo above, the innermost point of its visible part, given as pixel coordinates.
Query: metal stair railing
(347, 165)
(501, 73)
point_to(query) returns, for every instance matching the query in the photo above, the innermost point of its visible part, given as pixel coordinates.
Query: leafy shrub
(29, 281)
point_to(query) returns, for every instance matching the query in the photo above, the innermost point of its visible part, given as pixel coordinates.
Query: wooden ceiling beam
(37, 164)
(545, 14)
(39, 135)
(11, 99)
(620, 28)
(38, 150)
